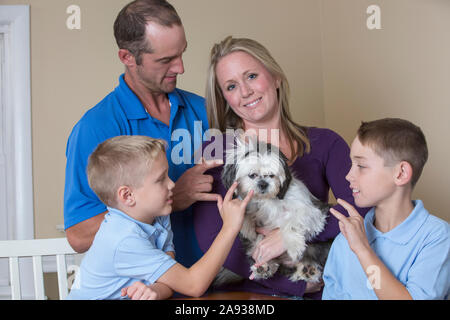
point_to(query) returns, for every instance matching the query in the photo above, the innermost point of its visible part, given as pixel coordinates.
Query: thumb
(219, 202)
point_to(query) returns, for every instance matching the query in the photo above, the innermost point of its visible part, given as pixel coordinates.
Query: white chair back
(36, 249)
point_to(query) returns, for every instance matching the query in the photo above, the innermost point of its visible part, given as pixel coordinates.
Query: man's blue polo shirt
(417, 252)
(124, 251)
(122, 113)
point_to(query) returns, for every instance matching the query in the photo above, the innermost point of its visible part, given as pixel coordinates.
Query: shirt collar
(402, 233)
(147, 228)
(132, 106)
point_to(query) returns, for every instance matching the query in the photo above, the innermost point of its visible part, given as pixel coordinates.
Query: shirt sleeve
(80, 202)
(428, 277)
(337, 164)
(138, 258)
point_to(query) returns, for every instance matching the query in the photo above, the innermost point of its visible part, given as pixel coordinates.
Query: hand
(139, 291)
(194, 185)
(232, 210)
(313, 286)
(352, 227)
(270, 247)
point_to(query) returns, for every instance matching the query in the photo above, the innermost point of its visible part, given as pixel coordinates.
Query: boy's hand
(140, 291)
(232, 210)
(352, 227)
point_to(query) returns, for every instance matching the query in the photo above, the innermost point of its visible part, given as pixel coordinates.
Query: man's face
(159, 69)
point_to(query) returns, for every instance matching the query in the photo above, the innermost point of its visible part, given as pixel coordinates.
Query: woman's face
(249, 88)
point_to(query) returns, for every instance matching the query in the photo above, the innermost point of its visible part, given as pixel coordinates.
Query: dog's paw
(310, 272)
(265, 271)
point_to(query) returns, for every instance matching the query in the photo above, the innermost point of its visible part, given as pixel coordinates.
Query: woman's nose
(246, 90)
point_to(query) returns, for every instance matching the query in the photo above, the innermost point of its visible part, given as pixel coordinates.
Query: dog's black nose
(262, 185)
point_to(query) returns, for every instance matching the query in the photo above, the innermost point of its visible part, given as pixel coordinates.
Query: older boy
(134, 243)
(399, 251)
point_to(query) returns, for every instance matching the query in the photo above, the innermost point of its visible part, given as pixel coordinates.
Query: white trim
(17, 18)
(15, 26)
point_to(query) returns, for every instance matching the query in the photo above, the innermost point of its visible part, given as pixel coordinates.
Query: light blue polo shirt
(122, 113)
(124, 251)
(416, 252)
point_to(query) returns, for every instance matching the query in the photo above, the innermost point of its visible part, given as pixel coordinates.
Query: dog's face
(257, 166)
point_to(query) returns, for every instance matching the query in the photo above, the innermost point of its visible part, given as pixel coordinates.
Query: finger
(229, 194)
(123, 292)
(263, 231)
(206, 196)
(347, 206)
(252, 276)
(205, 165)
(219, 203)
(338, 215)
(247, 198)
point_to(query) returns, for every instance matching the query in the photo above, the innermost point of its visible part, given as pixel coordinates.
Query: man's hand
(194, 185)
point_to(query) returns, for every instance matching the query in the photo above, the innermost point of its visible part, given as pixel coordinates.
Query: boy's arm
(196, 280)
(386, 286)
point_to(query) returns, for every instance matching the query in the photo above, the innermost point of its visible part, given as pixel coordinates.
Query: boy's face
(372, 182)
(154, 197)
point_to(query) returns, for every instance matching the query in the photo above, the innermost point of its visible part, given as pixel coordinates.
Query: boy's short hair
(396, 140)
(119, 161)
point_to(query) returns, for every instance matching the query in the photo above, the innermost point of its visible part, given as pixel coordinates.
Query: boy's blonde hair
(396, 140)
(121, 161)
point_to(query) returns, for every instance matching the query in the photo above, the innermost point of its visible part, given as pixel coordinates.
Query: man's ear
(127, 58)
(403, 173)
(125, 196)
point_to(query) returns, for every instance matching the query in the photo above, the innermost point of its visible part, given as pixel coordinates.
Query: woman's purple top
(324, 167)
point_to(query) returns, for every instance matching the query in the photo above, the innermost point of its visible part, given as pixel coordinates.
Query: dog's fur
(280, 201)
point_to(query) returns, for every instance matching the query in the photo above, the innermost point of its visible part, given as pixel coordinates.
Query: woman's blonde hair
(121, 161)
(220, 114)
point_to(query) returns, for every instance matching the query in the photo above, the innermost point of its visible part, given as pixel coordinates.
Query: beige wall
(340, 73)
(402, 70)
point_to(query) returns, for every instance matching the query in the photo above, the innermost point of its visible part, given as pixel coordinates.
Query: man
(151, 42)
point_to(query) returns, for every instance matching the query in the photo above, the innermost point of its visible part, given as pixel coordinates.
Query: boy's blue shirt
(124, 251)
(416, 252)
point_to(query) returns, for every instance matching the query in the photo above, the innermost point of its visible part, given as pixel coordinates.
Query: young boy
(399, 251)
(133, 247)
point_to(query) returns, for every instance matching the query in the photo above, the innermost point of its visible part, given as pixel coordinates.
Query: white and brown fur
(280, 201)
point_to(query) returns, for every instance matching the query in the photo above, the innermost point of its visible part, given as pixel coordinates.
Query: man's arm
(81, 235)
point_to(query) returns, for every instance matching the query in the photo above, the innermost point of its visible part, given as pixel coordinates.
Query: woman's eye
(252, 76)
(231, 87)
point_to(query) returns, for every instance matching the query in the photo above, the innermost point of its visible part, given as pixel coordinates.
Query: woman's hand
(270, 247)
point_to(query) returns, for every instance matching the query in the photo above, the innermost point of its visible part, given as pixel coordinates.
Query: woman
(247, 90)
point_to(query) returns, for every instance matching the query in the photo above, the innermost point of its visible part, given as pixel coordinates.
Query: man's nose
(178, 66)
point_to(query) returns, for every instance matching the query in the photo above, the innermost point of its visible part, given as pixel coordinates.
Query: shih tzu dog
(279, 201)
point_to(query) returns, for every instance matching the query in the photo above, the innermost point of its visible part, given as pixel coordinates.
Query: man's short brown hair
(396, 140)
(119, 161)
(130, 24)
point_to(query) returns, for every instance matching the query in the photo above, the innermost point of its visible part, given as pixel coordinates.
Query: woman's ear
(125, 196)
(403, 173)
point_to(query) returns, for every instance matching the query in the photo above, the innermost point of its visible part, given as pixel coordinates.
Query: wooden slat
(14, 278)
(38, 278)
(62, 276)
